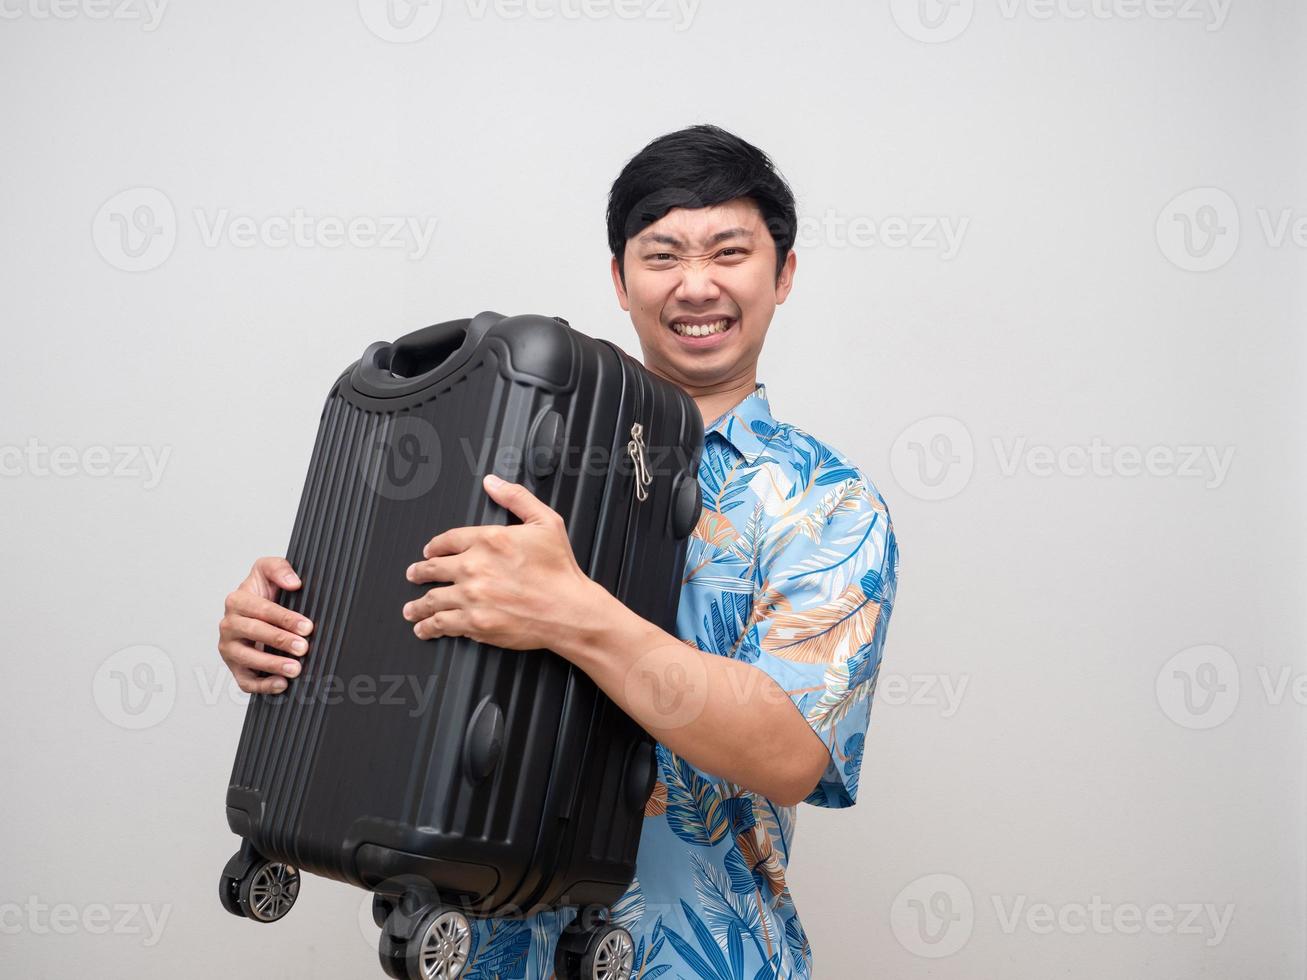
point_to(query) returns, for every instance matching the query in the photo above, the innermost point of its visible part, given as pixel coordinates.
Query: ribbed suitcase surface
(505, 778)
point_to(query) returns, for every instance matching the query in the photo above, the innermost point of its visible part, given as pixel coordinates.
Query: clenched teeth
(700, 329)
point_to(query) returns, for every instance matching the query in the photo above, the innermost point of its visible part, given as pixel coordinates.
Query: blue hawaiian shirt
(792, 568)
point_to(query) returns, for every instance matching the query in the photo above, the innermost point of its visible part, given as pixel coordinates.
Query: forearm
(723, 715)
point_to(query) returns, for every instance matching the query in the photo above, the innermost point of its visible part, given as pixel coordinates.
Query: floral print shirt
(792, 568)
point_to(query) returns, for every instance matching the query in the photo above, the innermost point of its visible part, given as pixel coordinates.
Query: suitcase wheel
(434, 944)
(229, 895)
(603, 952)
(253, 887)
(268, 891)
(381, 909)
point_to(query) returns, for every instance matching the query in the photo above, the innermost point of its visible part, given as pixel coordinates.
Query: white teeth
(700, 329)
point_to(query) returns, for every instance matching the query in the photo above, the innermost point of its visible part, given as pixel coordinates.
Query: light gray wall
(1067, 611)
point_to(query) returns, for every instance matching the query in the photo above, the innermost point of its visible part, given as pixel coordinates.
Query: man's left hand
(515, 586)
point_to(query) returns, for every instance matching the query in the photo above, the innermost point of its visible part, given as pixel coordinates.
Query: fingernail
(294, 580)
(494, 481)
(408, 610)
(278, 687)
(299, 646)
(303, 627)
(291, 669)
(412, 570)
(417, 630)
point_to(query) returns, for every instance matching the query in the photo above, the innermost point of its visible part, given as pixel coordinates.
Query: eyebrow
(655, 237)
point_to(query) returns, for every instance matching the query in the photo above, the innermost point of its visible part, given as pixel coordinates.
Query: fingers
(453, 542)
(251, 683)
(520, 501)
(242, 603)
(447, 622)
(443, 569)
(436, 600)
(237, 627)
(238, 654)
(277, 570)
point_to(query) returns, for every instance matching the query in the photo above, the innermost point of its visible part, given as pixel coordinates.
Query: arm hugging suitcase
(447, 776)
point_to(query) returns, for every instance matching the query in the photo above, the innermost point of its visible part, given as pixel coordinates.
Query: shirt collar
(748, 425)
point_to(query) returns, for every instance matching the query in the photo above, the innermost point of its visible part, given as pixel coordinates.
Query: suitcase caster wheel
(436, 947)
(229, 895)
(605, 952)
(381, 909)
(609, 954)
(268, 890)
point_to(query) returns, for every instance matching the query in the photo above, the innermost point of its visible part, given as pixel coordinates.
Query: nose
(697, 285)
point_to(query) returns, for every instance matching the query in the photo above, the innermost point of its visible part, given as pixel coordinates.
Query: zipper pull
(635, 449)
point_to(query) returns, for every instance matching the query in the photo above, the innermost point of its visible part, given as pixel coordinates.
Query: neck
(715, 398)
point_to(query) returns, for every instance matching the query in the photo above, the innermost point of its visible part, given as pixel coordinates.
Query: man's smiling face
(701, 288)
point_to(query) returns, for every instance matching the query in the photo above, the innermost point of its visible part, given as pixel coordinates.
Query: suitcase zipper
(635, 449)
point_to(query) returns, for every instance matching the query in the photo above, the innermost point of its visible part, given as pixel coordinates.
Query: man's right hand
(253, 618)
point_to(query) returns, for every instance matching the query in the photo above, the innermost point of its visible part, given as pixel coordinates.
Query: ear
(786, 280)
(617, 284)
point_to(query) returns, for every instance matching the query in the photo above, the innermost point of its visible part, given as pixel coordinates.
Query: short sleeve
(825, 583)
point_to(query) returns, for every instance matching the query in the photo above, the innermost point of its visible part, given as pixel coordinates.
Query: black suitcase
(449, 777)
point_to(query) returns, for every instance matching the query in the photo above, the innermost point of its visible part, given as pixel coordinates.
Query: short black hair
(698, 167)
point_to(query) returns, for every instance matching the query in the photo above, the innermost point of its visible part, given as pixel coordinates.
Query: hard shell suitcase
(450, 777)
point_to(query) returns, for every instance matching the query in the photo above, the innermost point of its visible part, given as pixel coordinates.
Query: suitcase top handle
(426, 349)
(425, 357)
(421, 357)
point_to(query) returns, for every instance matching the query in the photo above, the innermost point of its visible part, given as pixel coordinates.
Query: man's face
(701, 288)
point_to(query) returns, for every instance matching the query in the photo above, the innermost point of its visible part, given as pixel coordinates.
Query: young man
(762, 699)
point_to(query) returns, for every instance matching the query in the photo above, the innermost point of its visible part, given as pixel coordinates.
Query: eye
(732, 253)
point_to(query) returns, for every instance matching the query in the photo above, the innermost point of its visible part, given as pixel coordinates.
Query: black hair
(698, 167)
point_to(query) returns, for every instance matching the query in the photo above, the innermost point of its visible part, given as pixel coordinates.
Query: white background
(1072, 771)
